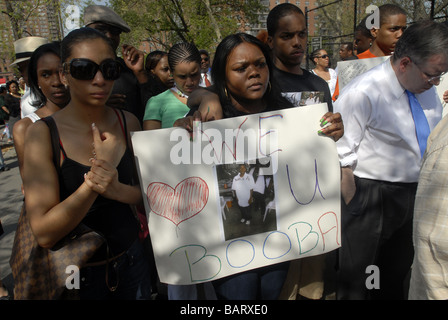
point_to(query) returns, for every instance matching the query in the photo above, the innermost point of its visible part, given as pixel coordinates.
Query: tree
(20, 12)
(203, 22)
(338, 20)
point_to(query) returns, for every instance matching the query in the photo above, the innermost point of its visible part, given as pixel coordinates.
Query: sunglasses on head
(85, 69)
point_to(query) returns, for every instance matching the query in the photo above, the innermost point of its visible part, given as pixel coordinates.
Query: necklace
(180, 93)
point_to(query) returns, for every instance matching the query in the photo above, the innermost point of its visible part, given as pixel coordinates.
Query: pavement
(11, 200)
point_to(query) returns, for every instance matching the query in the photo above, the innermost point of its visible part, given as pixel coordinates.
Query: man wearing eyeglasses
(388, 114)
(131, 89)
(206, 78)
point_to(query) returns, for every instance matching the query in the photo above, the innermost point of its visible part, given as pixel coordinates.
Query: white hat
(25, 47)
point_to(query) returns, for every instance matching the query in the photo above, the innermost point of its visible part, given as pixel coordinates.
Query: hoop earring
(269, 87)
(227, 95)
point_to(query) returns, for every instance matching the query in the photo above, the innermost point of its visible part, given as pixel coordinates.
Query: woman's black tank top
(114, 220)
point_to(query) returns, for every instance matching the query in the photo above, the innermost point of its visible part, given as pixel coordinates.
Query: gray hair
(421, 41)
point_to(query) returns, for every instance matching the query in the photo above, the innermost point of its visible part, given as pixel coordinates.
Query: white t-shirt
(242, 186)
(26, 106)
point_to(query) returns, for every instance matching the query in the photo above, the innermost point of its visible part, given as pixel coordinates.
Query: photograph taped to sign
(193, 196)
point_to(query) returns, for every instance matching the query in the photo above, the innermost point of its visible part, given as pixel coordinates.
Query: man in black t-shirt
(297, 88)
(287, 39)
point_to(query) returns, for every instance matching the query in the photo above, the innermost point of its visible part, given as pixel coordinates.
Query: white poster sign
(441, 88)
(348, 70)
(195, 222)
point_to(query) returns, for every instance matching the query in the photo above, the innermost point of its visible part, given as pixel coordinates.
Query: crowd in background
(78, 93)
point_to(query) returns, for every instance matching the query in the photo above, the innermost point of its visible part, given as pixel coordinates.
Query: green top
(166, 108)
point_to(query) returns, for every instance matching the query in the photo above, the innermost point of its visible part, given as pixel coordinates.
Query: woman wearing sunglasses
(93, 181)
(321, 60)
(164, 109)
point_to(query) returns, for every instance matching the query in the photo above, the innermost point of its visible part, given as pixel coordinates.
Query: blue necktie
(421, 123)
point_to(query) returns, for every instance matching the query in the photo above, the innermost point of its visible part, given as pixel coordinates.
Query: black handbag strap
(55, 142)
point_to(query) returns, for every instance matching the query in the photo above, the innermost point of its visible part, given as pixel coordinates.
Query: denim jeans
(132, 272)
(264, 283)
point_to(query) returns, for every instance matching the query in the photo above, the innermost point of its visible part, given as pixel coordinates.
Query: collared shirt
(379, 139)
(202, 80)
(429, 277)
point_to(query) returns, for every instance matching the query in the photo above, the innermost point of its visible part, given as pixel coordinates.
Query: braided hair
(183, 52)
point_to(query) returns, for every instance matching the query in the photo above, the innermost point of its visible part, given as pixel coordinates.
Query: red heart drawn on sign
(186, 200)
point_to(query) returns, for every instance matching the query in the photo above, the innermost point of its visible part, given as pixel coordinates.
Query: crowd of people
(77, 165)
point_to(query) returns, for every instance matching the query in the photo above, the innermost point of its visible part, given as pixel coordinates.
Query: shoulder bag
(40, 273)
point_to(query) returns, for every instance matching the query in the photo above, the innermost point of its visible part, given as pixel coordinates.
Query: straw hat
(25, 47)
(97, 13)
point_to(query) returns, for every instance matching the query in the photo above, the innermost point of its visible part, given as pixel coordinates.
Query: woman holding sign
(241, 73)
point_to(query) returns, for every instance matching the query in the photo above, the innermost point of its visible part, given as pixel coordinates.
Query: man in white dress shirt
(381, 157)
(206, 77)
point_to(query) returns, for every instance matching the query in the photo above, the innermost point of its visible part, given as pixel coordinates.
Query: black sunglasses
(323, 56)
(85, 69)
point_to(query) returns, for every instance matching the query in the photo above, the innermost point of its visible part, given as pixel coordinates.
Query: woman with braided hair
(162, 110)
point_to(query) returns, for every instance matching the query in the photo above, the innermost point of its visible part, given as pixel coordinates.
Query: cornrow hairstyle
(52, 48)
(278, 12)
(183, 52)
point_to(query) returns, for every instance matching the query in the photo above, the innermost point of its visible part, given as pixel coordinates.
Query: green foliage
(203, 22)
